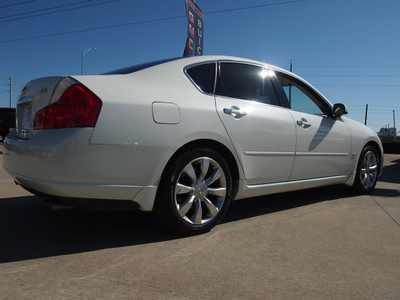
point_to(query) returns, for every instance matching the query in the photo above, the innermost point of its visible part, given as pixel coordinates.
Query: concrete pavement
(320, 243)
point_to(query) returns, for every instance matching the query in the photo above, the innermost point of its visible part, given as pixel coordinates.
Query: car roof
(187, 61)
(184, 62)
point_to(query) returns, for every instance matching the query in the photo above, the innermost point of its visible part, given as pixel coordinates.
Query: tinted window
(203, 76)
(246, 82)
(301, 98)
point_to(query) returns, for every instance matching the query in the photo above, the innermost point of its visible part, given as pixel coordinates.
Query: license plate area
(24, 118)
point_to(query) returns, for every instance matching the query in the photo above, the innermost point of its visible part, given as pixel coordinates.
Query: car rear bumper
(77, 190)
(63, 163)
(143, 196)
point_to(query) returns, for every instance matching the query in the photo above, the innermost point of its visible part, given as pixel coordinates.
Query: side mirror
(340, 109)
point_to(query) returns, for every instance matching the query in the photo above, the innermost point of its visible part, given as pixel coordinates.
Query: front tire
(367, 171)
(195, 192)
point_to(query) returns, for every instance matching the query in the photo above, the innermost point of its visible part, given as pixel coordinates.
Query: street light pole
(394, 124)
(11, 87)
(83, 54)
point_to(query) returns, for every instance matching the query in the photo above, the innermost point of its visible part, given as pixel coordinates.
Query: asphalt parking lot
(324, 243)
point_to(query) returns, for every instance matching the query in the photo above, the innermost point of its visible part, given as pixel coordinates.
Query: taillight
(77, 107)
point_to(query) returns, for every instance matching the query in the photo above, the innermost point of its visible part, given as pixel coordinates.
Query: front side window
(203, 76)
(300, 97)
(247, 82)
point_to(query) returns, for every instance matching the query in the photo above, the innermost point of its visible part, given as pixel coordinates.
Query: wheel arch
(214, 145)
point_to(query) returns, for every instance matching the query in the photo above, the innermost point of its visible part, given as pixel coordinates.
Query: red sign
(194, 41)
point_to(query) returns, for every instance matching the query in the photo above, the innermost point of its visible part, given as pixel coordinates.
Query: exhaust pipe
(56, 205)
(52, 203)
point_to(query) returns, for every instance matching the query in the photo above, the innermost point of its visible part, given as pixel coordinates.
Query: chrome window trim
(194, 83)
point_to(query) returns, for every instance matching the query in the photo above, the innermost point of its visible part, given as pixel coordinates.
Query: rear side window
(247, 82)
(203, 76)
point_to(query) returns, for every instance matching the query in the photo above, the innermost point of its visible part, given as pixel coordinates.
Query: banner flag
(195, 18)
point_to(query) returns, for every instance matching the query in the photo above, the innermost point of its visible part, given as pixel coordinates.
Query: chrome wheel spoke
(204, 168)
(373, 169)
(366, 180)
(198, 213)
(218, 173)
(371, 159)
(186, 206)
(367, 159)
(372, 178)
(189, 170)
(220, 192)
(363, 173)
(183, 189)
(212, 209)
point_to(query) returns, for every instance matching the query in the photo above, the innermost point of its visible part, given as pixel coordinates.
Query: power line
(383, 106)
(145, 22)
(92, 29)
(44, 9)
(252, 7)
(59, 11)
(19, 3)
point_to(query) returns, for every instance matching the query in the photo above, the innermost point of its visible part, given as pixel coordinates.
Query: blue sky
(348, 49)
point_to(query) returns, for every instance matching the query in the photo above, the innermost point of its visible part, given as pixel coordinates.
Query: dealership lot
(320, 243)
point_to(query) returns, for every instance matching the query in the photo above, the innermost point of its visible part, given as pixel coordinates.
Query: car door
(323, 142)
(262, 132)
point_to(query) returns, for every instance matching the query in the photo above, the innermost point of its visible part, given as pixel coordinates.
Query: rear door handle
(303, 123)
(235, 111)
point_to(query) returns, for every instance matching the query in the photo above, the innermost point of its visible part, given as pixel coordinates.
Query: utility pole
(10, 85)
(366, 114)
(394, 123)
(290, 86)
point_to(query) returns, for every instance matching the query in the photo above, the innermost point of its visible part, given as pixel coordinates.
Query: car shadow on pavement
(388, 193)
(29, 230)
(391, 173)
(248, 208)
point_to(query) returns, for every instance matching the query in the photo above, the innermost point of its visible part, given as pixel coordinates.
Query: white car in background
(184, 137)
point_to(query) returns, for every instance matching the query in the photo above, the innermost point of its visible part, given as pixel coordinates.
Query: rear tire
(195, 192)
(367, 171)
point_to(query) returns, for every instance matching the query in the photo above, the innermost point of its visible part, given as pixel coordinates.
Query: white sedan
(184, 137)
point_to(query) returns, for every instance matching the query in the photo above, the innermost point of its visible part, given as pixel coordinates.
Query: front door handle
(235, 111)
(303, 123)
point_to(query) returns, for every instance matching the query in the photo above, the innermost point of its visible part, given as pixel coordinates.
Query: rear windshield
(143, 66)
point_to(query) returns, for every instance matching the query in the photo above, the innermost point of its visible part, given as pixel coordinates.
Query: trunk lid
(34, 96)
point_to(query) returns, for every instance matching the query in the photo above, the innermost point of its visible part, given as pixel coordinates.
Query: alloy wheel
(200, 191)
(369, 170)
